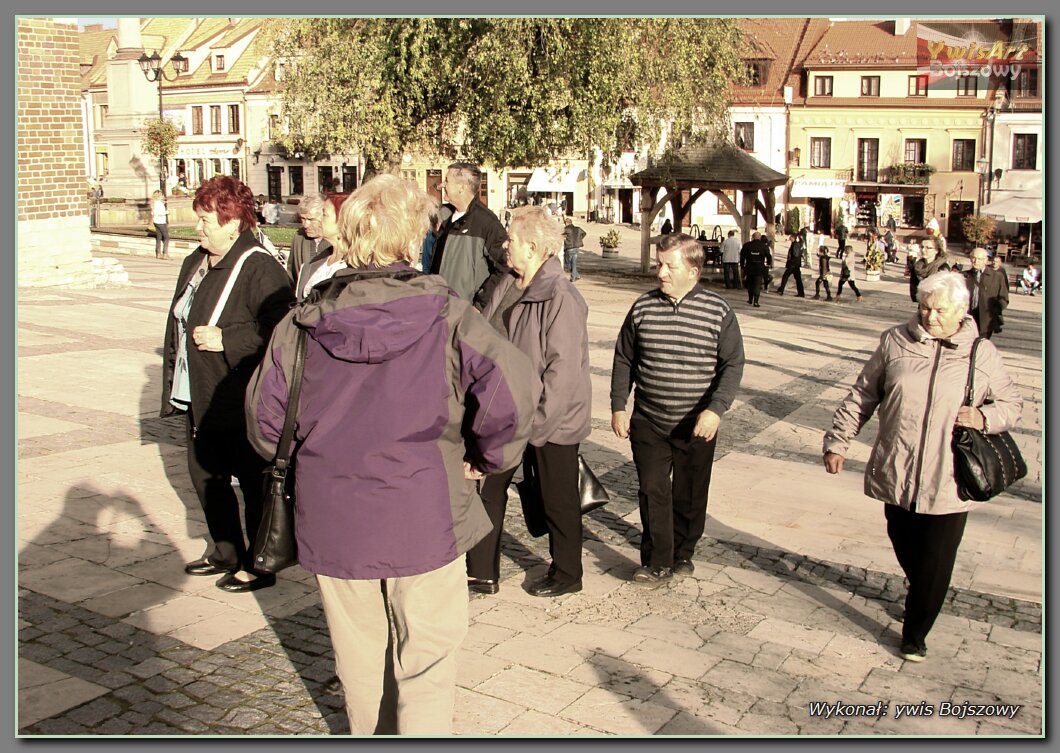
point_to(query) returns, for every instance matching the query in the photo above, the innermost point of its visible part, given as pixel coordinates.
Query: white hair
(949, 287)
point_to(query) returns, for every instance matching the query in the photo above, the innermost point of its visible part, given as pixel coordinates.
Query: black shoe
(684, 567)
(234, 585)
(800, 295)
(817, 297)
(205, 567)
(652, 575)
(549, 586)
(483, 585)
(757, 305)
(912, 652)
(779, 292)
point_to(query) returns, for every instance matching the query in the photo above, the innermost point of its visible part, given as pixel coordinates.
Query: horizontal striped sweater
(684, 357)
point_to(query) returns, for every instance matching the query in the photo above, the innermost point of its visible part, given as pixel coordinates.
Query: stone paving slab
(796, 597)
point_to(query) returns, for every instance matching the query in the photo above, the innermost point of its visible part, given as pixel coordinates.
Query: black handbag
(984, 465)
(274, 545)
(591, 495)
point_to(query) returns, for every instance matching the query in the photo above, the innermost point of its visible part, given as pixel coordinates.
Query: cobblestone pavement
(796, 597)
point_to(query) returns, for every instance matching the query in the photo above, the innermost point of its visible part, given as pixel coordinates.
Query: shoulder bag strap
(230, 284)
(969, 387)
(283, 449)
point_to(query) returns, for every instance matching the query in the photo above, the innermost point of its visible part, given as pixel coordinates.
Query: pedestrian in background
(408, 397)
(846, 275)
(730, 260)
(755, 260)
(208, 358)
(573, 237)
(928, 263)
(793, 266)
(916, 381)
(988, 294)
(328, 260)
(308, 242)
(824, 274)
(160, 219)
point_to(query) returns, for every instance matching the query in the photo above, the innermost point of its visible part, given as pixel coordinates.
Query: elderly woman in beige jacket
(916, 381)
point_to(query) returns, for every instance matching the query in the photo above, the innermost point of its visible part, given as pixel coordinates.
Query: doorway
(954, 227)
(275, 182)
(822, 216)
(625, 206)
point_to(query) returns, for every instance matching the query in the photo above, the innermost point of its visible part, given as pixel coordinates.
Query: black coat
(261, 297)
(993, 298)
(795, 252)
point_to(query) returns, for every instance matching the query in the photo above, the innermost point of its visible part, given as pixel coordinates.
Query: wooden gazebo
(716, 168)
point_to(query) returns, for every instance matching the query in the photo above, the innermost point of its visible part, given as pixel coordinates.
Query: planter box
(871, 276)
(608, 252)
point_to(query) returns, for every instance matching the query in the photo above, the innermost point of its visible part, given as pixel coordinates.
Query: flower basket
(874, 260)
(609, 244)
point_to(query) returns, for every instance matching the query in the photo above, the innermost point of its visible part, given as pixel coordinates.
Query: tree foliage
(504, 91)
(978, 229)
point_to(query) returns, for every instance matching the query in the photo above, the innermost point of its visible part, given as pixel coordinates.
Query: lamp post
(153, 70)
(982, 166)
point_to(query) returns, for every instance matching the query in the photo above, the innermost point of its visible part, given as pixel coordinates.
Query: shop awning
(1015, 209)
(616, 184)
(555, 180)
(822, 188)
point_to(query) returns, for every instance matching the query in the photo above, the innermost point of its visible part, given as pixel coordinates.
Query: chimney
(901, 26)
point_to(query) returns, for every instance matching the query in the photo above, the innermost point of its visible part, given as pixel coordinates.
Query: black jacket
(260, 298)
(469, 253)
(795, 252)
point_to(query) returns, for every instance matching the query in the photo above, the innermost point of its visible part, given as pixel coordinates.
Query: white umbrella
(1015, 209)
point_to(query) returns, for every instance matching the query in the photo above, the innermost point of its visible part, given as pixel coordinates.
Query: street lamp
(151, 65)
(982, 166)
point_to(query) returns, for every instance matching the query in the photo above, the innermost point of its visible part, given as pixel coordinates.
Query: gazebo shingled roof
(721, 167)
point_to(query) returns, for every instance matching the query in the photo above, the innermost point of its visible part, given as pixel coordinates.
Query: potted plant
(609, 243)
(874, 259)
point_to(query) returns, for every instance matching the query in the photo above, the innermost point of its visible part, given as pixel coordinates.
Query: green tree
(978, 229)
(159, 140)
(504, 91)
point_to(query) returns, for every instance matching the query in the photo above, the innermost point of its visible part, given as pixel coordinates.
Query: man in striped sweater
(682, 347)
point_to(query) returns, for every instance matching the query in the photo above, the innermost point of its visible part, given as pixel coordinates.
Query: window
(324, 181)
(215, 118)
(745, 136)
(1025, 151)
(967, 85)
(868, 159)
(963, 155)
(756, 72)
(196, 120)
(233, 118)
(1026, 84)
(870, 86)
(274, 127)
(820, 152)
(101, 116)
(822, 86)
(295, 181)
(234, 167)
(915, 151)
(218, 63)
(215, 165)
(918, 86)
(483, 190)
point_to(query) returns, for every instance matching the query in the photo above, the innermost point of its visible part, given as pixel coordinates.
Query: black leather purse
(275, 547)
(984, 465)
(591, 495)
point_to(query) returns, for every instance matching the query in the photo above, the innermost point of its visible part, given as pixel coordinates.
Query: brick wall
(53, 247)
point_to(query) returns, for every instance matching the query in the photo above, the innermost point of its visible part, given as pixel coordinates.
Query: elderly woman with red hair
(227, 301)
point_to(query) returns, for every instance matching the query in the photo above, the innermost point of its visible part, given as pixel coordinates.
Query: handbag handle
(969, 387)
(283, 448)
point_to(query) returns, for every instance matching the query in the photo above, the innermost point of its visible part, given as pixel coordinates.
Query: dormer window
(218, 63)
(757, 70)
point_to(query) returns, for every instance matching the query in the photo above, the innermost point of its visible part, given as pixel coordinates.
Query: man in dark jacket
(573, 238)
(681, 345)
(755, 260)
(469, 250)
(841, 237)
(989, 291)
(307, 242)
(793, 266)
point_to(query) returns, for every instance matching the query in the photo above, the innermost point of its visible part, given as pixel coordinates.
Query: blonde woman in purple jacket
(924, 363)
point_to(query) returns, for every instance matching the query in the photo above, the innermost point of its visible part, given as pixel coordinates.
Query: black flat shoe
(483, 585)
(205, 567)
(552, 587)
(234, 585)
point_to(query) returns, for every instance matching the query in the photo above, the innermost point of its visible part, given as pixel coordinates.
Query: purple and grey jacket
(402, 382)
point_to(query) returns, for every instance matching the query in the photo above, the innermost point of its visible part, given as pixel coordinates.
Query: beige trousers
(395, 646)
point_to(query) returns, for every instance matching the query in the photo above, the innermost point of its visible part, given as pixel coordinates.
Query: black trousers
(673, 513)
(926, 547)
(484, 559)
(798, 280)
(755, 282)
(556, 467)
(214, 457)
(848, 281)
(827, 287)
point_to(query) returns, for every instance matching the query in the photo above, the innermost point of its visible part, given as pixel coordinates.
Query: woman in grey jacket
(916, 379)
(544, 315)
